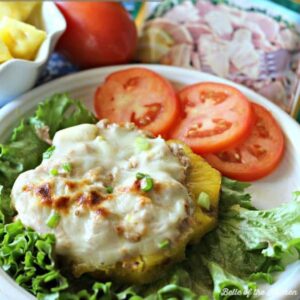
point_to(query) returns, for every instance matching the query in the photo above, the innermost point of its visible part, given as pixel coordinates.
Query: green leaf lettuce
(247, 246)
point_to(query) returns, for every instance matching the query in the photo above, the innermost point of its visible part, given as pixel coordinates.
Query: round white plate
(268, 192)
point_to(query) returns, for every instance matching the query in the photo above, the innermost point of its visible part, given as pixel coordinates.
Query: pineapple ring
(201, 177)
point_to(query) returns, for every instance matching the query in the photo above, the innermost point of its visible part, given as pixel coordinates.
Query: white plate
(269, 192)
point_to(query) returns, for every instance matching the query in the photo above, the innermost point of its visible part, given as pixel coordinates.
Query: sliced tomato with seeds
(258, 155)
(140, 96)
(214, 116)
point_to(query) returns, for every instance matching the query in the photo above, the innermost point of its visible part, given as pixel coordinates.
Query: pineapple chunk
(23, 40)
(19, 10)
(153, 45)
(4, 52)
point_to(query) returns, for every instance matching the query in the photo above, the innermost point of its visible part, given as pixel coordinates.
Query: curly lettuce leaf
(273, 232)
(233, 192)
(25, 148)
(22, 152)
(260, 240)
(28, 258)
(6, 211)
(99, 291)
(60, 111)
(175, 291)
(224, 281)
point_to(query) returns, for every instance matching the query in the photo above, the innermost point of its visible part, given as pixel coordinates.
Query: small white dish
(268, 192)
(17, 76)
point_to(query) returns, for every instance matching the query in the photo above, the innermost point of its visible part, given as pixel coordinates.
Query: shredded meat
(43, 134)
(178, 151)
(44, 191)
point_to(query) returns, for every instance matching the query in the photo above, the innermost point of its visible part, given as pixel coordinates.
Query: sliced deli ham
(267, 24)
(243, 55)
(196, 29)
(215, 53)
(196, 60)
(183, 13)
(288, 39)
(274, 91)
(232, 41)
(204, 7)
(219, 22)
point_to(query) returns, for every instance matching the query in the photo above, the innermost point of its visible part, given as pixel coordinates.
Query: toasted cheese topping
(106, 214)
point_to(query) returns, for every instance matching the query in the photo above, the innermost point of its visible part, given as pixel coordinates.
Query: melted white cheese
(136, 222)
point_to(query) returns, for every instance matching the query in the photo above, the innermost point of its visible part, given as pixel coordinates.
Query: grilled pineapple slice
(203, 178)
(23, 40)
(4, 52)
(19, 10)
(143, 269)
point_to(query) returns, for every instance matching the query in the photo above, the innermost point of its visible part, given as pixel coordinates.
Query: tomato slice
(140, 96)
(258, 155)
(215, 116)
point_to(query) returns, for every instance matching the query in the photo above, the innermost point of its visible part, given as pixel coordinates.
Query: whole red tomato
(98, 33)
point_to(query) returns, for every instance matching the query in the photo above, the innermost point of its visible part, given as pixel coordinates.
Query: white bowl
(17, 75)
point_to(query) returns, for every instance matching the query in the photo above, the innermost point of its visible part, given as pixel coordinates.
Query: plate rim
(11, 106)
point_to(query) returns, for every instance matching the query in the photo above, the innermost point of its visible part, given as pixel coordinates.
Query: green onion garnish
(204, 200)
(109, 189)
(141, 144)
(128, 217)
(164, 244)
(100, 138)
(147, 184)
(54, 172)
(49, 152)
(53, 220)
(140, 176)
(67, 167)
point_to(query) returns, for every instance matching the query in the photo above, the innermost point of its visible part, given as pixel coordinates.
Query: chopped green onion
(140, 176)
(67, 167)
(49, 152)
(100, 138)
(109, 189)
(204, 200)
(142, 144)
(164, 244)
(128, 217)
(53, 220)
(54, 172)
(147, 184)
